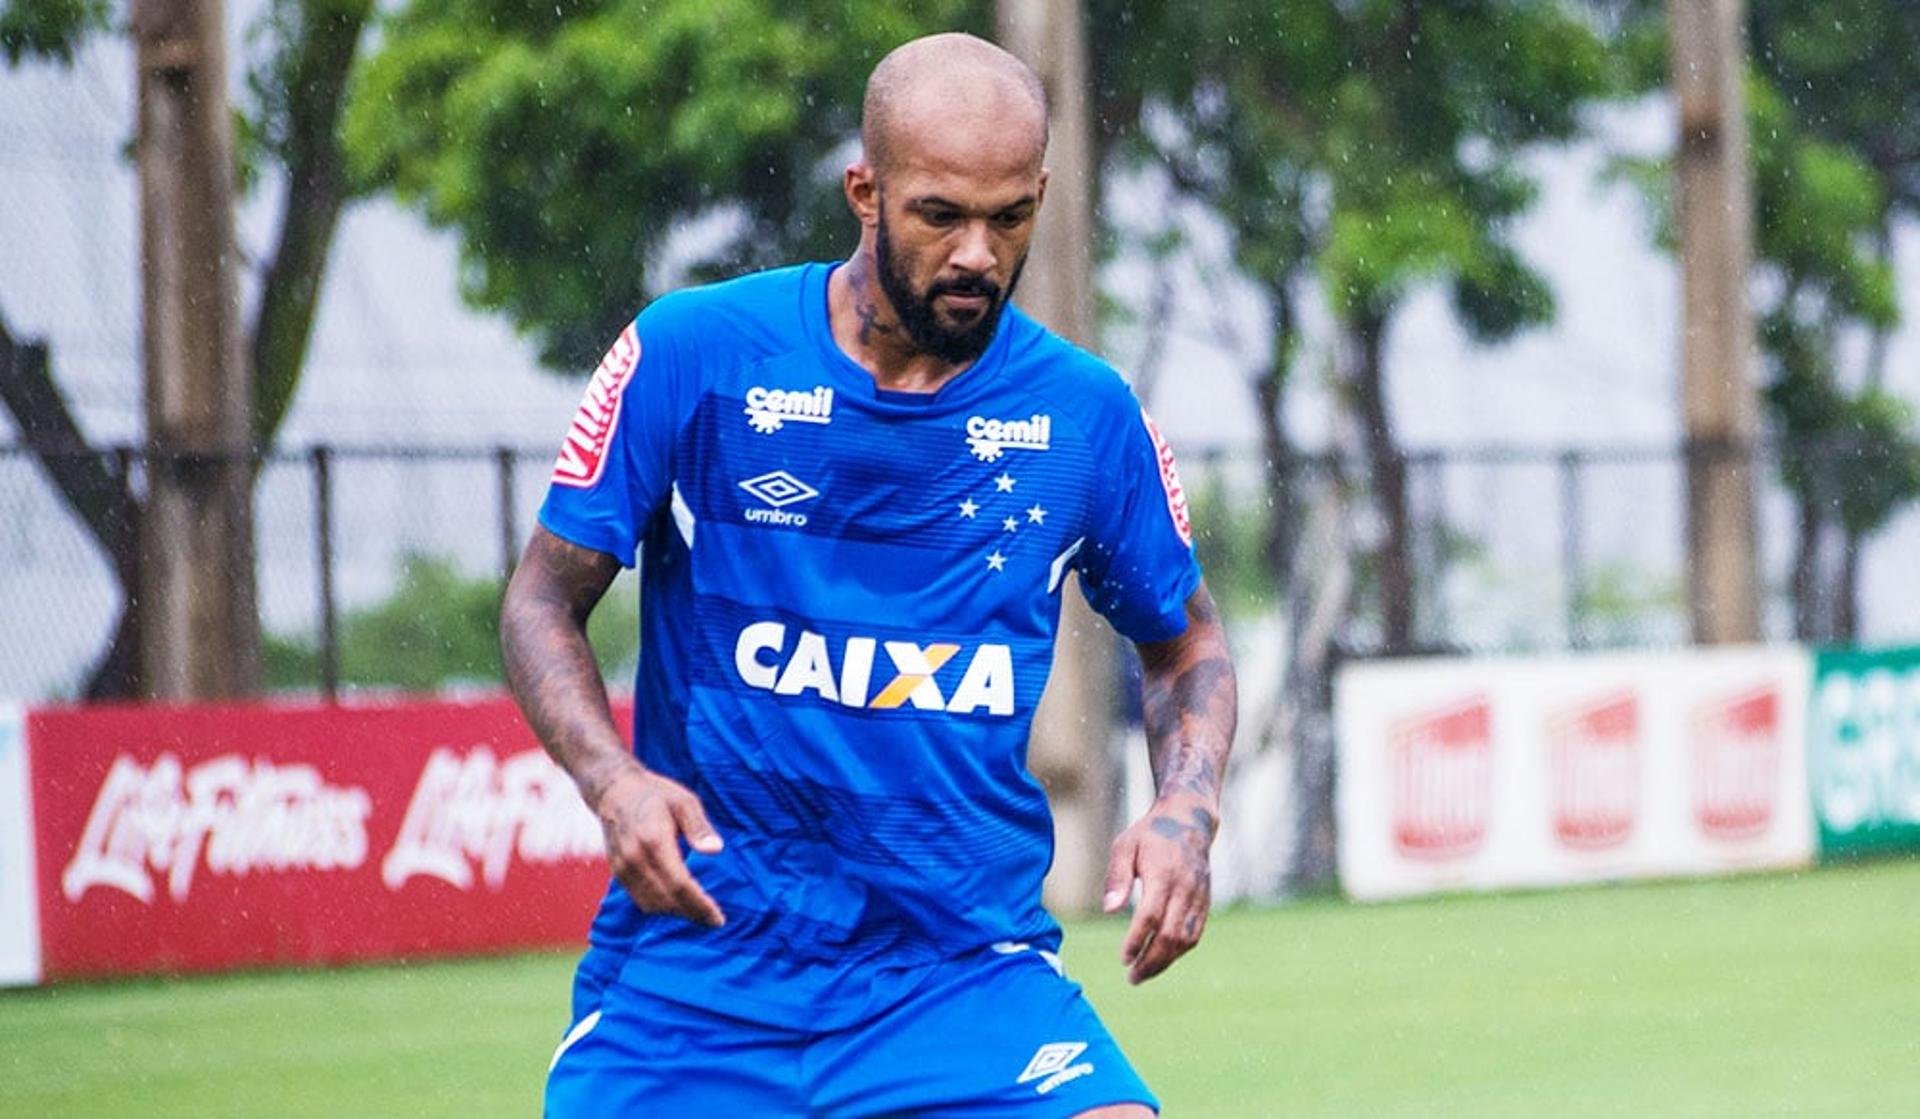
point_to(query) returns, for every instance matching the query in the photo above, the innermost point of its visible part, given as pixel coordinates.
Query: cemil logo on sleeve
(583, 456)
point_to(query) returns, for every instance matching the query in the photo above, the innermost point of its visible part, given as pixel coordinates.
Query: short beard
(922, 323)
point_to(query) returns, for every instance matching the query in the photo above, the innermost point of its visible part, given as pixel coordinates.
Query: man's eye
(1011, 219)
(940, 217)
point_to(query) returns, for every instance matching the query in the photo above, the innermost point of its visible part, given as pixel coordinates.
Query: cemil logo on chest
(769, 410)
(990, 438)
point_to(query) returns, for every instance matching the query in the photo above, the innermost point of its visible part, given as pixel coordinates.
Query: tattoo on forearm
(1190, 703)
(1195, 837)
(549, 665)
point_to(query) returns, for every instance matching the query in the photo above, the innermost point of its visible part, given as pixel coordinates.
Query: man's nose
(974, 253)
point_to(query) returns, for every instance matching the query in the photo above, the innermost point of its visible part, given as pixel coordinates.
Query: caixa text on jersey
(763, 659)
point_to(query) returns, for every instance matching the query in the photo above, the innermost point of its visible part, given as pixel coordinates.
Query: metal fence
(1514, 551)
(338, 532)
(1518, 551)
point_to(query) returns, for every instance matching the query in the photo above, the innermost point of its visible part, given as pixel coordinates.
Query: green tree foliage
(1843, 77)
(1832, 89)
(1374, 147)
(50, 29)
(437, 629)
(566, 142)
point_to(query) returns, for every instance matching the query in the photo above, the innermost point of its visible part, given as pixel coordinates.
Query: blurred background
(1401, 282)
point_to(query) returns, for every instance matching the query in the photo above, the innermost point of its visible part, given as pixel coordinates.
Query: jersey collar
(853, 381)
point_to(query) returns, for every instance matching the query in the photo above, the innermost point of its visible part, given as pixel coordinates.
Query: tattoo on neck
(870, 322)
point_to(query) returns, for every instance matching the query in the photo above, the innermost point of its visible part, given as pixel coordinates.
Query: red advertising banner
(212, 837)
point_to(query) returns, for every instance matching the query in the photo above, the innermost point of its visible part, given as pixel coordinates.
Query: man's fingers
(1146, 920)
(647, 860)
(1119, 873)
(660, 882)
(691, 817)
(692, 902)
(1174, 936)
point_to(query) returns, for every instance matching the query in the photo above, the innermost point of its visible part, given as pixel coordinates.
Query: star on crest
(1004, 483)
(1036, 515)
(968, 508)
(996, 561)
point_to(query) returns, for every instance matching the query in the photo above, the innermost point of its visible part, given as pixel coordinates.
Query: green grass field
(1787, 995)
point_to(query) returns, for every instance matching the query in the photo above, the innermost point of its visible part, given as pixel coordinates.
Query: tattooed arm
(552, 671)
(1190, 711)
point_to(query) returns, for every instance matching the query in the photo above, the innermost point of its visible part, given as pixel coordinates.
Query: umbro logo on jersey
(990, 438)
(843, 672)
(1053, 1065)
(778, 490)
(768, 410)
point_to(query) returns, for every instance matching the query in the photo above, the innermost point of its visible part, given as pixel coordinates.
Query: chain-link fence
(349, 543)
(382, 568)
(1550, 550)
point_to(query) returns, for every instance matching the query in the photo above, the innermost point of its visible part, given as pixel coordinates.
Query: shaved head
(950, 85)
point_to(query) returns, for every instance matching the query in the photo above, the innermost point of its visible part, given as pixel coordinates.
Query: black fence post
(1573, 548)
(509, 526)
(323, 545)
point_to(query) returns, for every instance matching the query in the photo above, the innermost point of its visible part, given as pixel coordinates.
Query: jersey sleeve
(616, 461)
(1137, 567)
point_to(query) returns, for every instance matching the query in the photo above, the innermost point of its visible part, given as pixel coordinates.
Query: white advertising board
(1479, 774)
(19, 917)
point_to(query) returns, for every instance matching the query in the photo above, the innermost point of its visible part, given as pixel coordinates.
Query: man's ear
(863, 193)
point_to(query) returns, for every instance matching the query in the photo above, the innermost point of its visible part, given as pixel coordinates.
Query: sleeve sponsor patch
(583, 455)
(1170, 481)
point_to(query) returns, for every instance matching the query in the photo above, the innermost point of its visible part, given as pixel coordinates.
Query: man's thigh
(997, 1034)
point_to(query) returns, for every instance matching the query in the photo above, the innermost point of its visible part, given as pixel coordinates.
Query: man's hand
(550, 666)
(1167, 852)
(1188, 696)
(644, 816)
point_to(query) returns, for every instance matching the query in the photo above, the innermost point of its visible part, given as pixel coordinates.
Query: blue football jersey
(848, 606)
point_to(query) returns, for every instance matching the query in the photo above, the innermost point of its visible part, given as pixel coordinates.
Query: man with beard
(856, 491)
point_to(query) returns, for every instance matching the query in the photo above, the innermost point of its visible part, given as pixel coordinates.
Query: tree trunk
(1715, 220)
(1072, 748)
(1393, 560)
(94, 485)
(1276, 447)
(201, 631)
(1846, 598)
(316, 193)
(1806, 566)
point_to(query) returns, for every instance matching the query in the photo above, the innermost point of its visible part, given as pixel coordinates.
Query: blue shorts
(995, 1033)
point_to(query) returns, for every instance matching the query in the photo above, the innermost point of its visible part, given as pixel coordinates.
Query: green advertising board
(1863, 750)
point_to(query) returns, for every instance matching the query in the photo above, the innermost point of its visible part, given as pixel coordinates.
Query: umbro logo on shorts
(1053, 1065)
